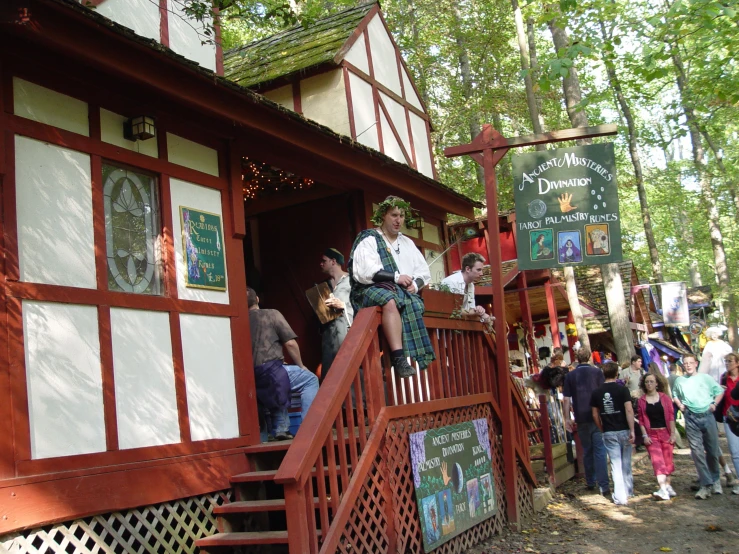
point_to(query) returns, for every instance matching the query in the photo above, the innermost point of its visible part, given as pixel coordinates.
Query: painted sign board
(567, 207)
(452, 473)
(675, 304)
(203, 249)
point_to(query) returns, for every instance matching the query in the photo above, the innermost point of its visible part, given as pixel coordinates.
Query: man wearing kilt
(388, 270)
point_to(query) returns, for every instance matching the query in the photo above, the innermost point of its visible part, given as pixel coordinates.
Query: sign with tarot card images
(567, 207)
(454, 481)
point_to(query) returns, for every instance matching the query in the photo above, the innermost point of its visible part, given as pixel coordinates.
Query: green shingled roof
(293, 50)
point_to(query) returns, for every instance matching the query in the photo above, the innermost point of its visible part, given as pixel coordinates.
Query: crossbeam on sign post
(488, 149)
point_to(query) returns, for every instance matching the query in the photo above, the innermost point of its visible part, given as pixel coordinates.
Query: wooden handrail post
(298, 535)
(546, 436)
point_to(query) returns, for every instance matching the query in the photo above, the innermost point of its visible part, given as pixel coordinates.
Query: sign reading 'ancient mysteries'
(567, 207)
(203, 249)
(452, 473)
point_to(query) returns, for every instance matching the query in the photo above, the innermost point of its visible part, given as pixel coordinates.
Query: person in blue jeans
(697, 395)
(613, 413)
(276, 381)
(578, 388)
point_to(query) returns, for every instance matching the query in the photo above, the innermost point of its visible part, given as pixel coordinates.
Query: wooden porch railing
(334, 443)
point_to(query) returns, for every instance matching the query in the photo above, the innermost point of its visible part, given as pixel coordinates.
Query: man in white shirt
(463, 282)
(334, 332)
(388, 270)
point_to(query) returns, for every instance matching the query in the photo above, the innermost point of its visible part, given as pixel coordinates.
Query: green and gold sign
(567, 207)
(203, 248)
(452, 473)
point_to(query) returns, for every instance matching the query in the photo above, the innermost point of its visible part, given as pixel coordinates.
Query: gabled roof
(294, 50)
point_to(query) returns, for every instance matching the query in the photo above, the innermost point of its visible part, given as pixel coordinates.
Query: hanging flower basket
(571, 330)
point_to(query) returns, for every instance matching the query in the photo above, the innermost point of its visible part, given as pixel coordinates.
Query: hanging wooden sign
(455, 485)
(567, 207)
(203, 249)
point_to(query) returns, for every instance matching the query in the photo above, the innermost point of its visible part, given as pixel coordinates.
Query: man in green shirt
(696, 395)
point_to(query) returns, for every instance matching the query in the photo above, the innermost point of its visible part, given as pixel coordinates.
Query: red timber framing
(162, 472)
(101, 66)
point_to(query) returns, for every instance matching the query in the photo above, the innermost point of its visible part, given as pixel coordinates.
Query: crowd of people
(615, 410)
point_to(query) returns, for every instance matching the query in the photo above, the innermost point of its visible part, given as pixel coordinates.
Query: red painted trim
(349, 101)
(10, 220)
(108, 378)
(105, 462)
(180, 382)
(18, 387)
(552, 309)
(236, 190)
(297, 99)
(93, 297)
(163, 23)
(361, 28)
(372, 81)
(394, 130)
(523, 296)
(44, 502)
(66, 139)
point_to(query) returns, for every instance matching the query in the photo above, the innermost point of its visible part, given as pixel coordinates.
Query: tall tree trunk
(534, 63)
(683, 224)
(709, 199)
(523, 49)
(617, 313)
(720, 162)
(421, 70)
(467, 88)
(635, 160)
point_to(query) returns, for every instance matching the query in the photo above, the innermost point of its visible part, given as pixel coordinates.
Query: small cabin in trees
(143, 186)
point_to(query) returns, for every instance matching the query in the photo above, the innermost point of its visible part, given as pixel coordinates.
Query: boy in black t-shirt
(614, 416)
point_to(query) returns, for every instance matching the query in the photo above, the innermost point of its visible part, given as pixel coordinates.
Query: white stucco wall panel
(200, 198)
(146, 403)
(54, 211)
(111, 131)
(209, 377)
(397, 115)
(186, 37)
(392, 148)
(50, 107)
(364, 112)
(384, 60)
(410, 92)
(424, 161)
(64, 379)
(142, 16)
(282, 96)
(190, 154)
(357, 55)
(323, 99)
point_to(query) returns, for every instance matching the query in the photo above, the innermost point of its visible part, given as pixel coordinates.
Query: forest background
(665, 71)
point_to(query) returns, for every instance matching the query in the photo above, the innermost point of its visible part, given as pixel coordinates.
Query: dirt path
(584, 522)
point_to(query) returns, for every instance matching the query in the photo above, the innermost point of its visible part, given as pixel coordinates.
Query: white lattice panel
(170, 528)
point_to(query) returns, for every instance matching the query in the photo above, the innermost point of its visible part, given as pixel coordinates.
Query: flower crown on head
(388, 204)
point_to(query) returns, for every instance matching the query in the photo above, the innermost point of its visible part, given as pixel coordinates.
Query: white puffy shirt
(409, 260)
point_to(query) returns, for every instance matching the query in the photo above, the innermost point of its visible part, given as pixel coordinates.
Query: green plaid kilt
(416, 343)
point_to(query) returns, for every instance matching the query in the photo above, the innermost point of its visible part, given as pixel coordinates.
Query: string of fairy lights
(260, 179)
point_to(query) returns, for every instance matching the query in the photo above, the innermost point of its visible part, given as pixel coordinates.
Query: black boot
(402, 367)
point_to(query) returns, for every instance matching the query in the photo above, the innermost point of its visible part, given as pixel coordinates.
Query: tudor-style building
(125, 376)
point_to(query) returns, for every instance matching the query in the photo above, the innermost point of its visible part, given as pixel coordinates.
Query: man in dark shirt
(270, 334)
(578, 388)
(613, 413)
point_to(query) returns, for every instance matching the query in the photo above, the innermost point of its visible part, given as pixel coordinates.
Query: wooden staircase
(314, 485)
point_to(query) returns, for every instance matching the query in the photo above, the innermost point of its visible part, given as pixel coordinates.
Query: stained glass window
(132, 231)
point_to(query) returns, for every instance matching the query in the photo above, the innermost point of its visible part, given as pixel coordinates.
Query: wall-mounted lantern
(140, 127)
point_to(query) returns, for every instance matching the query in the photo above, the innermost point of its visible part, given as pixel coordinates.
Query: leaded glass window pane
(132, 231)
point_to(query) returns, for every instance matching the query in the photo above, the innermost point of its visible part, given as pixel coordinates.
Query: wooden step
(269, 475)
(263, 447)
(230, 540)
(242, 539)
(251, 506)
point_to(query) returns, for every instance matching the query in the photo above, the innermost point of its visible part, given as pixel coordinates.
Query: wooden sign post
(487, 149)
